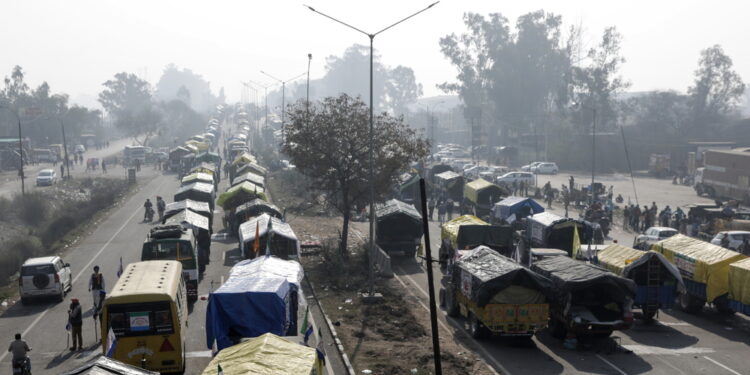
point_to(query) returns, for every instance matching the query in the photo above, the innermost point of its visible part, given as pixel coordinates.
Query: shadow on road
(732, 327)
(657, 334)
(31, 308)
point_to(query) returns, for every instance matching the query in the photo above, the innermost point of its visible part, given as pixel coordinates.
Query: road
(120, 234)
(11, 184)
(679, 343)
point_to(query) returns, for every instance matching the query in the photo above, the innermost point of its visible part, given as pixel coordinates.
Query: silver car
(44, 277)
(46, 177)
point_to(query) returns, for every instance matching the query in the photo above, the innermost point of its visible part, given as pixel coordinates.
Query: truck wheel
(451, 307)
(690, 304)
(476, 328)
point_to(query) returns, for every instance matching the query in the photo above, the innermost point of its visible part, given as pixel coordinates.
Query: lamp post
(283, 95)
(372, 177)
(307, 100)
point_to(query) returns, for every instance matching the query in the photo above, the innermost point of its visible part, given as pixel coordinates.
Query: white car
(516, 177)
(44, 277)
(46, 177)
(528, 167)
(654, 234)
(736, 239)
(545, 168)
(80, 149)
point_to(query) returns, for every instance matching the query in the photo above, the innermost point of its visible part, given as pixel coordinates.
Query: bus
(147, 312)
(172, 242)
(133, 153)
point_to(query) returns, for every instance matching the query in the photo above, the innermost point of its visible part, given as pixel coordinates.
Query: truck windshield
(170, 250)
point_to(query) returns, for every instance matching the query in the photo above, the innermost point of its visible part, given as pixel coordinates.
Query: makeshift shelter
(198, 177)
(200, 225)
(201, 146)
(250, 177)
(657, 280)
(190, 147)
(102, 365)
(198, 207)
(739, 286)
(250, 167)
(704, 267)
(197, 191)
(284, 243)
(482, 195)
(208, 157)
(450, 184)
(266, 354)
(244, 158)
(438, 169)
(239, 194)
(409, 188)
(468, 232)
(251, 209)
(398, 227)
(247, 306)
(517, 207)
(208, 168)
(554, 231)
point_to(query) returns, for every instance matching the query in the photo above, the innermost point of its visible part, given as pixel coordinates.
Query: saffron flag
(256, 242)
(576, 243)
(304, 320)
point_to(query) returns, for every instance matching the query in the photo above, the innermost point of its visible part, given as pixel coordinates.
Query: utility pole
(593, 154)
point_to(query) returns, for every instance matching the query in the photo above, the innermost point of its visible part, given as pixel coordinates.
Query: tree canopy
(127, 98)
(330, 145)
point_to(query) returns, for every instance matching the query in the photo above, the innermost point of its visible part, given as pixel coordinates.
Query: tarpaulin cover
(199, 191)
(204, 168)
(252, 167)
(247, 229)
(700, 261)
(256, 207)
(397, 207)
(188, 219)
(409, 183)
(449, 229)
(447, 176)
(250, 177)
(550, 230)
(739, 281)
(621, 260)
(178, 152)
(569, 275)
(191, 148)
(480, 191)
(198, 177)
(201, 146)
(244, 158)
(513, 205)
(266, 354)
(208, 157)
(195, 206)
(483, 273)
(246, 306)
(102, 365)
(397, 222)
(239, 194)
(270, 266)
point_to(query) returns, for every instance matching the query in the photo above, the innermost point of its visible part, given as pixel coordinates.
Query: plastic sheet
(739, 281)
(622, 260)
(266, 354)
(569, 275)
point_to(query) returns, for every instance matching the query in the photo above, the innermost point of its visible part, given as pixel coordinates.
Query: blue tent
(247, 306)
(516, 205)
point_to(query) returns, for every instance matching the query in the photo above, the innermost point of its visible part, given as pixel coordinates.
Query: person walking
(625, 218)
(522, 189)
(431, 208)
(104, 167)
(96, 285)
(441, 212)
(160, 207)
(75, 320)
(449, 208)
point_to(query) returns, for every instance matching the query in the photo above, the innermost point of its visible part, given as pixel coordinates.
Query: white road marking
(656, 350)
(445, 326)
(38, 318)
(611, 365)
(674, 324)
(722, 365)
(671, 365)
(198, 354)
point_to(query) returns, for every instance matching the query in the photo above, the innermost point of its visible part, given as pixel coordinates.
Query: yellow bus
(147, 312)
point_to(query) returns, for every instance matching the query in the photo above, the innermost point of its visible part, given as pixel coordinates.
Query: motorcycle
(149, 215)
(22, 366)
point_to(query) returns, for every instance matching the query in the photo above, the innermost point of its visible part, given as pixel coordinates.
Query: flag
(308, 333)
(269, 235)
(214, 349)
(256, 243)
(219, 371)
(111, 343)
(119, 268)
(321, 357)
(304, 321)
(576, 242)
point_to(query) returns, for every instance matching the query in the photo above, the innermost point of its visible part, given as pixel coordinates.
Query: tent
(554, 231)
(398, 227)
(483, 193)
(244, 158)
(254, 208)
(197, 191)
(208, 157)
(201, 227)
(198, 177)
(250, 177)
(208, 168)
(266, 354)
(239, 194)
(519, 206)
(178, 152)
(251, 167)
(247, 306)
(102, 365)
(284, 243)
(451, 184)
(195, 206)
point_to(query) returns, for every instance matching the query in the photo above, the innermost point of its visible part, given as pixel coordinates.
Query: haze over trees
(330, 144)
(187, 86)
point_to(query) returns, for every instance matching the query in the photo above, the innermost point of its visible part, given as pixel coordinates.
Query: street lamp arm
(295, 77)
(339, 21)
(272, 77)
(428, 7)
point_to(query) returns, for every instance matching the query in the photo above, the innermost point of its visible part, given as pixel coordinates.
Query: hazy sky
(76, 45)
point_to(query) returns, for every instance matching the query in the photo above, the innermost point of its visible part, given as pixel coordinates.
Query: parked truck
(586, 299)
(495, 295)
(467, 232)
(725, 174)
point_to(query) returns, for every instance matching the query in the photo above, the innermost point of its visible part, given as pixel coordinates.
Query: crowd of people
(639, 219)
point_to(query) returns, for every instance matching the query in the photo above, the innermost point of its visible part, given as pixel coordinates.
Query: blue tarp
(247, 306)
(513, 205)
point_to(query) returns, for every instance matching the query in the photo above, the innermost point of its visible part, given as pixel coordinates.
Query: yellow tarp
(198, 176)
(700, 261)
(201, 146)
(739, 281)
(265, 355)
(472, 189)
(204, 170)
(246, 190)
(191, 148)
(616, 257)
(244, 158)
(449, 230)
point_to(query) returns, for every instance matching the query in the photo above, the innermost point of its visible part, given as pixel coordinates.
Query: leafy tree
(717, 88)
(128, 99)
(174, 79)
(15, 87)
(183, 94)
(331, 145)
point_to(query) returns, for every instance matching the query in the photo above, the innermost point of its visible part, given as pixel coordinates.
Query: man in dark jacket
(75, 319)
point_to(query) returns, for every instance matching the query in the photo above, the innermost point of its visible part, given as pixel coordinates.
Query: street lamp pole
(283, 97)
(65, 147)
(307, 100)
(593, 153)
(371, 36)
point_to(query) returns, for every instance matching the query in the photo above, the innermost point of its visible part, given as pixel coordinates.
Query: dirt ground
(390, 337)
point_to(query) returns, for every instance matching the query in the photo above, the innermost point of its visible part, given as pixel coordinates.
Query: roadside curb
(339, 346)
